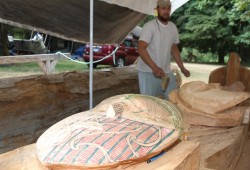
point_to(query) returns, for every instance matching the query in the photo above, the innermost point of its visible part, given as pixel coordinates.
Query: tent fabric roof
(145, 7)
(69, 19)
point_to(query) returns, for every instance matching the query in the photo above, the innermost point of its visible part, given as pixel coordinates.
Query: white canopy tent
(69, 19)
(144, 6)
(99, 21)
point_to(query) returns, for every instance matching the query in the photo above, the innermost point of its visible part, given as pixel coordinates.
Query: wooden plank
(30, 58)
(185, 156)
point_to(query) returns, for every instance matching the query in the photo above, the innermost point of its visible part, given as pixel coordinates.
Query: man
(158, 41)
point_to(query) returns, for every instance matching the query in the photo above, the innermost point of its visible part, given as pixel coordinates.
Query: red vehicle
(125, 55)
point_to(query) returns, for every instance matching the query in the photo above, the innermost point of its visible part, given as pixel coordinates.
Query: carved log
(29, 105)
(122, 130)
(185, 156)
(220, 147)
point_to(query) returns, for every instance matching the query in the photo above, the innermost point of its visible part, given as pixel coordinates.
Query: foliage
(148, 18)
(194, 55)
(217, 26)
(19, 33)
(241, 13)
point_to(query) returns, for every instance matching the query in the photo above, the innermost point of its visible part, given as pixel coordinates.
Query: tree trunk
(221, 55)
(244, 53)
(3, 41)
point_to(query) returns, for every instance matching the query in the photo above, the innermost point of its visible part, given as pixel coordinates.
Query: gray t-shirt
(160, 39)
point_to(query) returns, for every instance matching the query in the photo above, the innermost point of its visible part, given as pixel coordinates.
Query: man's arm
(177, 57)
(142, 50)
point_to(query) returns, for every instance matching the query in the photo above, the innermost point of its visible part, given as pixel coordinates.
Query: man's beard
(163, 19)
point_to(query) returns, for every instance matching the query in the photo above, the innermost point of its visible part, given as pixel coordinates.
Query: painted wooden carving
(210, 105)
(234, 72)
(124, 129)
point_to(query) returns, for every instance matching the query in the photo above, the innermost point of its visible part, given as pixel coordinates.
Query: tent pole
(91, 55)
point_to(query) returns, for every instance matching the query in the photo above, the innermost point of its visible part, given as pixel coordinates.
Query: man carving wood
(158, 41)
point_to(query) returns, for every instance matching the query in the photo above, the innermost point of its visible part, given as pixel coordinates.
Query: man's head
(163, 9)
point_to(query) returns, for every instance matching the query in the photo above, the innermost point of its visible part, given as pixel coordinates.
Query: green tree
(241, 16)
(19, 33)
(16, 32)
(147, 19)
(218, 26)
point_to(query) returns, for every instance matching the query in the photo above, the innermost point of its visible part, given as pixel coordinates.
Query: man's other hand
(185, 72)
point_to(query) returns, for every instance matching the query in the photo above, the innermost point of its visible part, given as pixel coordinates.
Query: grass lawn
(198, 71)
(24, 69)
(63, 65)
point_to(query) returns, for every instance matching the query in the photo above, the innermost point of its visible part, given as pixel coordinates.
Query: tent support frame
(91, 55)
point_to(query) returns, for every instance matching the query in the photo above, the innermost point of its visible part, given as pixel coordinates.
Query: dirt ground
(4, 74)
(198, 71)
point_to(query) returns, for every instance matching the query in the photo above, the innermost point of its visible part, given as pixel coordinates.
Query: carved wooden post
(48, 67)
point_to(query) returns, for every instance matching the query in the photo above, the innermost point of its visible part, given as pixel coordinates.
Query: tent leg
(91, 55)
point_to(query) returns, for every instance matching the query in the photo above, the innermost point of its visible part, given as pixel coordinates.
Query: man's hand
(185, 72)
(176, 53)
(158, 72)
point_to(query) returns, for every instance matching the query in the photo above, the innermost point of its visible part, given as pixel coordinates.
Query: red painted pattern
(115, 143)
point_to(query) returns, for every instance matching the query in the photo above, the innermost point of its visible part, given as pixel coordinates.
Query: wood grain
(185, 156)
(29, 105)
(228, 118)
(220, 147)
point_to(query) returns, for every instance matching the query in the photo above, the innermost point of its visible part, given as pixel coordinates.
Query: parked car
(78, 54)
(125, 55)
